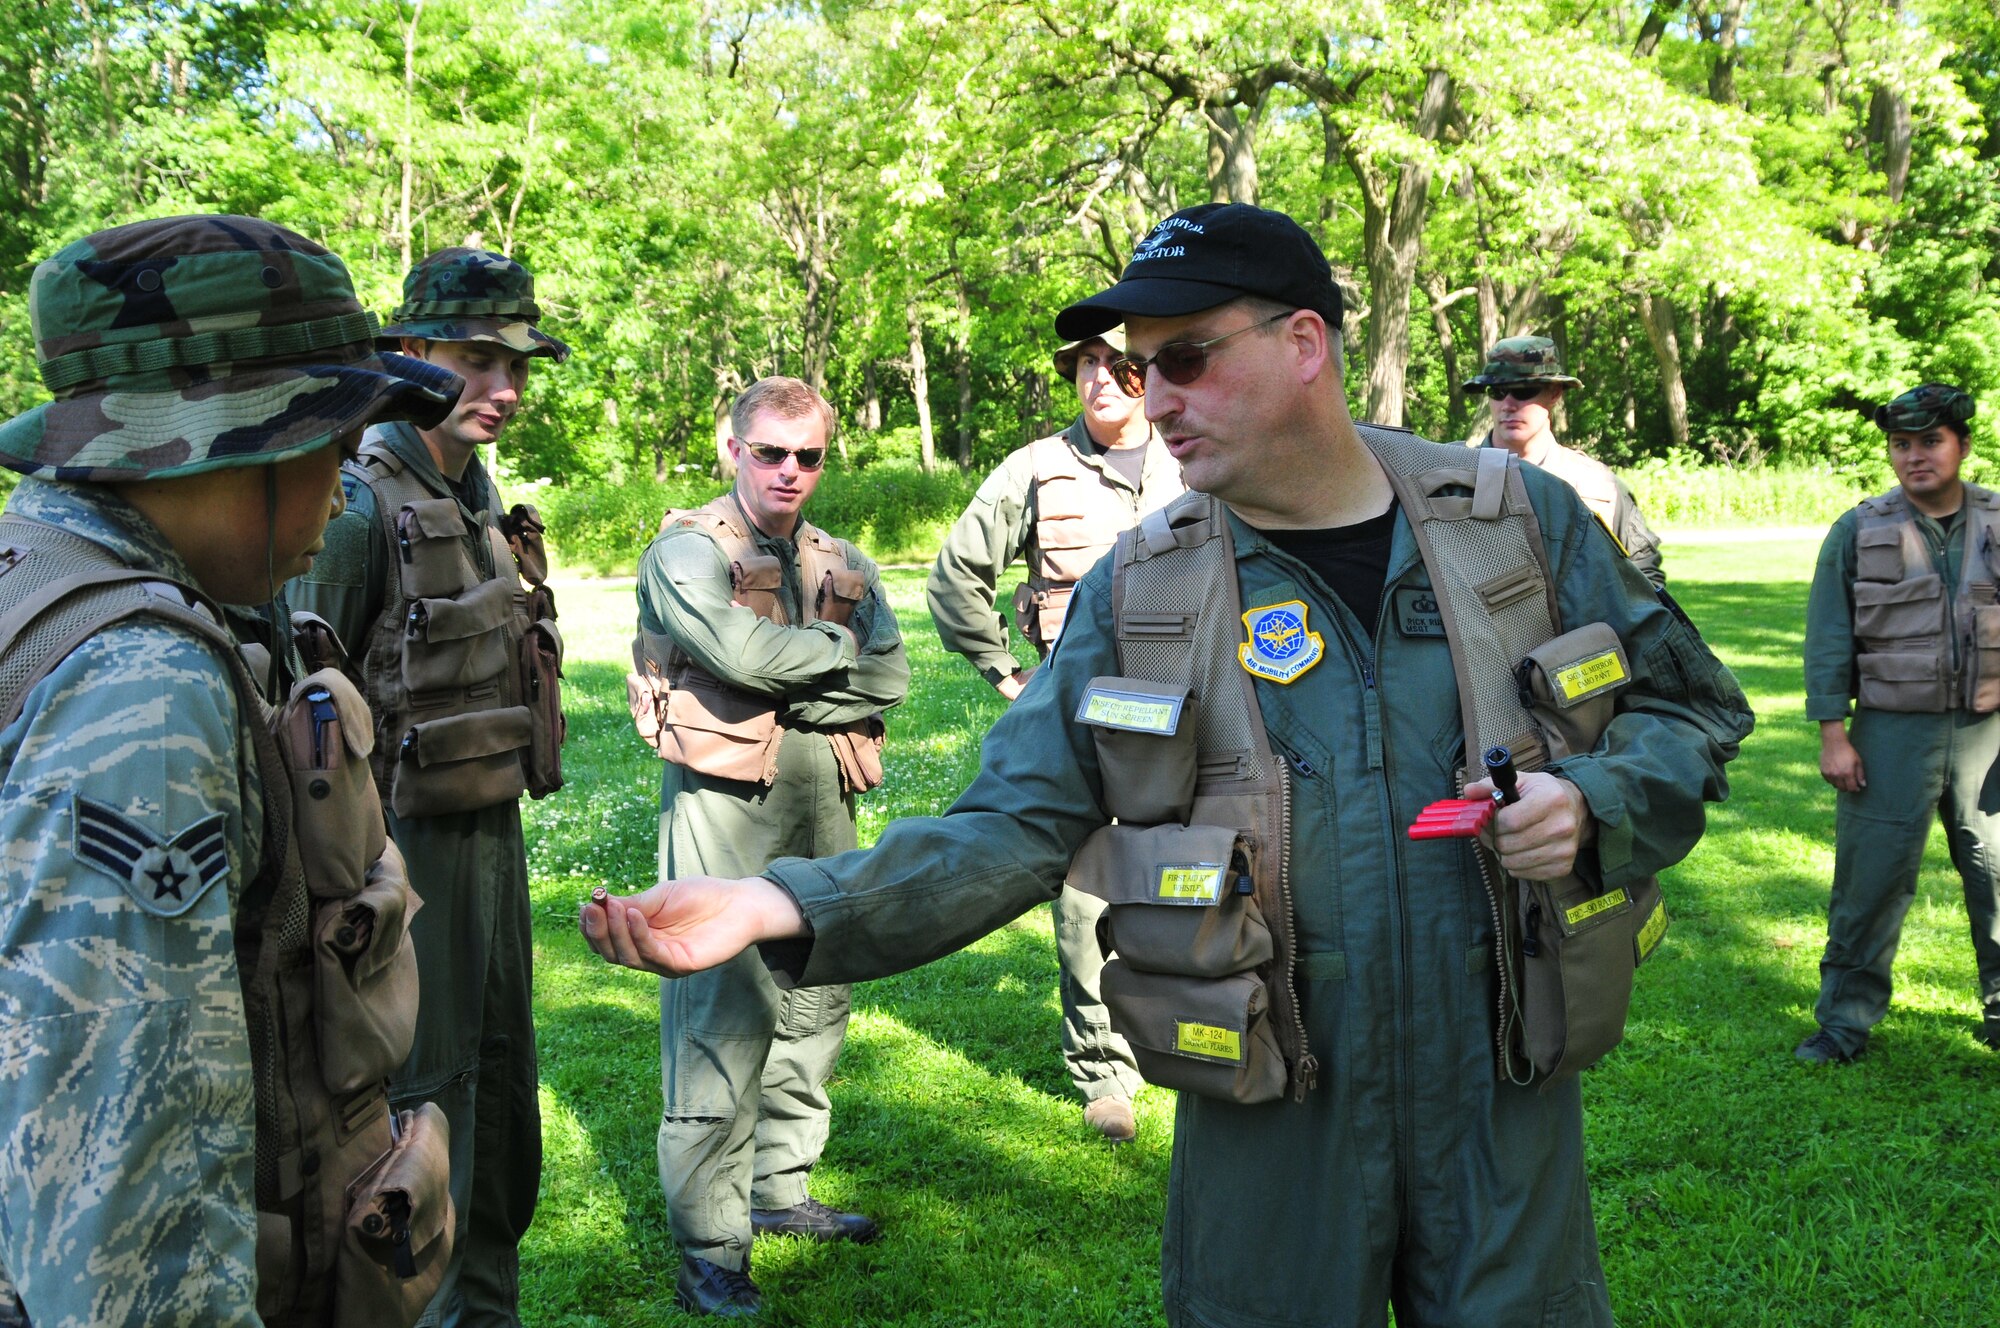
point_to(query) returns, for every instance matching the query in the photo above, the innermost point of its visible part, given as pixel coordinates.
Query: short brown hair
(787, 398)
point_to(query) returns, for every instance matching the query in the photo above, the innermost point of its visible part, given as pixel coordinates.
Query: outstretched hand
(1538, 838)
(685, 926)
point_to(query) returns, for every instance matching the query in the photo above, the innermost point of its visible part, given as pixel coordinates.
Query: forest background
(1744, 223)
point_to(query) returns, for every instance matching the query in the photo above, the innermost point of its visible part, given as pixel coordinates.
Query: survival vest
(1591, 478)
(1915, 647)
(463, 665)
(1079, 514)
(694, 719)
(354, 1213)
(1196, 869)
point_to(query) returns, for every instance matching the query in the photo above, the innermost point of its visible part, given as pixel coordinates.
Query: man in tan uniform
(1058, 504)
(1524, 379)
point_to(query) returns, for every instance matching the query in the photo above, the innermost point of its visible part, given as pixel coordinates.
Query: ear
(415, 347)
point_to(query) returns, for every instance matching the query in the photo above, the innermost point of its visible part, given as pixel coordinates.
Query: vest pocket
(1579, 948)
(430, 548)
(1910, 610)
(541, 688)
(720, 731)
(1981, 662)
(1879, 551)
(460, 763)
(1208, 1037)
(1902, 680)
(325, 735)
(454, 643)
(1144, 733)
(1179, 899)
(365, 979)
(397, 1236)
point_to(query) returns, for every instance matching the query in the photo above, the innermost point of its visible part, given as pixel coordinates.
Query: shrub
(1679, 491)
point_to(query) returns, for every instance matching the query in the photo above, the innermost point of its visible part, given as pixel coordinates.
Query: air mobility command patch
(164, 877)
(1280, 648)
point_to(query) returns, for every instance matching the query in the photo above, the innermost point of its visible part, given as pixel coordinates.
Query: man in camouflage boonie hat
(1900, 628)
(208, 373)
(1523, 381)
(426, 529)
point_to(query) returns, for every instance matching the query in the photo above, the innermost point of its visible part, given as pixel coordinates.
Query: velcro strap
(1510, 587)
(206, 348)
(516, 311)
(1156, 532)
(1155, 625)
(1490, 488)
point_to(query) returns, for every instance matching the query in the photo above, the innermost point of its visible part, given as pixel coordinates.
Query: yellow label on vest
(1220, 1044)
(1280, 647)
(1650, 934)
(1191, 882)
(1590, 908)
(1122, 710)
(1589, 675)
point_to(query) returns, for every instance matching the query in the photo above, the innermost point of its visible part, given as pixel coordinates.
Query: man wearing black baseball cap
(1252, 696)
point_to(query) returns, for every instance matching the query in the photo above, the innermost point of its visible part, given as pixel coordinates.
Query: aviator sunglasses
(770, 454)
(1179, 362)
(1518, 393)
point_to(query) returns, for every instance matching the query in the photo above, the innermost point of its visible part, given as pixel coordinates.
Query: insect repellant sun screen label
(1131, 711)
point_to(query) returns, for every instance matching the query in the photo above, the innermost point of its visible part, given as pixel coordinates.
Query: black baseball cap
(1208, 255)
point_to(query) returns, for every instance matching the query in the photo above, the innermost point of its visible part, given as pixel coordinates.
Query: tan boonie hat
(1523, 362)
(191, 344)
(1066, 355)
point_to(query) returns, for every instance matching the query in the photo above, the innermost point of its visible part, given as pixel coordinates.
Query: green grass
(1732, 1186)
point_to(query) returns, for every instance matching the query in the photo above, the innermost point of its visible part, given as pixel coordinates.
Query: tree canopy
(1743, 223)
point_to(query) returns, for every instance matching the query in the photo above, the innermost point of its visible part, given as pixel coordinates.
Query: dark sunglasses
(1179, 362)
(1518, 393)
(770, 454)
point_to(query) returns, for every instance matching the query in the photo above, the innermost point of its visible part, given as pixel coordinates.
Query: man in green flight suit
(768, 654)
(1523, 380)
(426, 537)
(1400, 1168)
(1059, 504)
(1904, 619)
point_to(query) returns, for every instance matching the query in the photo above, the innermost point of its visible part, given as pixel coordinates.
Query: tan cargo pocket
(1981, 661)
(1878, 552)
(1577, 958)
(398, 1233)
(523, 527)
(838, 593)
(1910, 610)
(461, 763)
(722, 732)
(754, 583)
(857, 751)
(1144, 733)
(1571, 686)
(1179, 897)
(1206, 1036)
(430, 545)
(541, 688)
(365, 976)
(326, 734)
(1901, 681)
(460, 642)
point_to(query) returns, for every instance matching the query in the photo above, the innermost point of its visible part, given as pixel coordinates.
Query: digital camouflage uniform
(743, 1065)
(1411, 1172)
(475, 1047)
(128, 1099)
(1525, 361)
(1916, 763)
(995, 531)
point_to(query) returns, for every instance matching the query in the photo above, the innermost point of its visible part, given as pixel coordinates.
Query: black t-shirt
(1352, 560)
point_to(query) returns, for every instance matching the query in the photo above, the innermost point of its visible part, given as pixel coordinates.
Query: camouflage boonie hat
(196, 343)
(1066, 356)
(1921, 407)
(1520, 362)
(471, 295)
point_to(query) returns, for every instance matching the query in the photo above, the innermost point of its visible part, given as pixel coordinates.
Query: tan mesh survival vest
(1915, 648)
(1591, 478)
(1079, 514)
(324, 1127)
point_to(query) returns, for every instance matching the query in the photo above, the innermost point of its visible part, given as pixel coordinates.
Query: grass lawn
(1732, 1185)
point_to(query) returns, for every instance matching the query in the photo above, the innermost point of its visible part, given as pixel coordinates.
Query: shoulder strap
(1487, 562)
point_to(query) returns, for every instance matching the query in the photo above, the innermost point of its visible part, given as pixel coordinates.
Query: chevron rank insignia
(164, 877)
(1279, 647)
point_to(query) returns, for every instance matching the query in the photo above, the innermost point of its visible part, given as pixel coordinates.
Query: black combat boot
(709, 1288)
(814, 1221)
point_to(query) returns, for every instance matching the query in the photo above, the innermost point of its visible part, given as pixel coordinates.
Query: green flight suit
(743, 1065)
(1411, 1173)
(1914, 763)
(995, 531)
(474, 1053)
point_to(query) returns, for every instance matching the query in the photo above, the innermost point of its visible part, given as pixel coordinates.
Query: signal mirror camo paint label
(1578, 680)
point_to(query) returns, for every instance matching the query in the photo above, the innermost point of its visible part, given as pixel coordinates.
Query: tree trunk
(1631, 402)
(725, 464)
(1722, 78)
(408, 144)
(1440, 303)
(1558, 332)
(962, 335)
(1654, 27)
(920, 388)
(1232, 151)
(1889, 124)
(871, 398)
(1657, 313)
(1489, 314)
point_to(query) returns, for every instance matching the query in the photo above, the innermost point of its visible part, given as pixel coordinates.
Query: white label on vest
(1280, 647)
(1133, 711)
(1189, 883)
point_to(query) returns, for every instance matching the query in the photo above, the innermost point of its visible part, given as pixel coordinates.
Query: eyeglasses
(1518, 393)
(770, 454)
(1179, 362)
